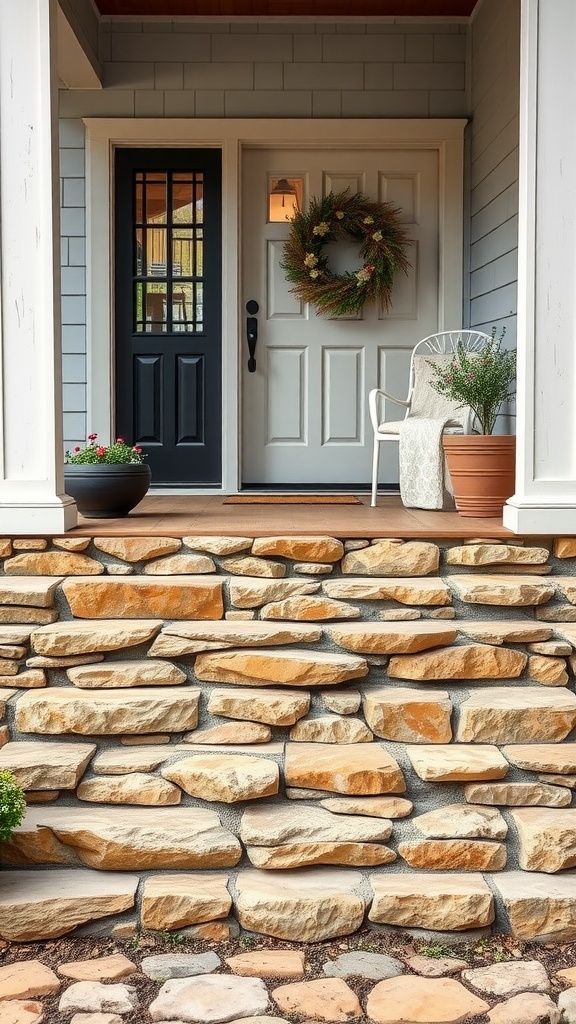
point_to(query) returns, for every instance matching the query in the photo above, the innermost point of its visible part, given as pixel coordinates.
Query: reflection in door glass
(168, 252)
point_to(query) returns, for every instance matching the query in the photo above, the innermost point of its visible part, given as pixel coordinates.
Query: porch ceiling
(290, 8)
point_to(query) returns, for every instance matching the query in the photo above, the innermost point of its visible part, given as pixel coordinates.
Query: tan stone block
(102, 968)
(239, 616)
(137, 549)
(568, 975)
(4, 735)
(496, 554)
(557, 613)
(119, 570)
(21, 614)
(567, 587)
(177, 901)
(191, 638)
(71, 543)
(217, 931)
(70, 638)
(118, 761)
(301, 906)
(330, 729)
(271, 707)
(422, 1000)
(401, 638)
(539, 906)
(117, 674)
(459, 821)
(52, 563)
(567, 781)
(5, 694)
(268, 963)
(341, 702)
(300, 549)
(552, 648)
(510, 591)
(442, 613)
(37, 592)
(548, 671)
(528, 714)
(565, 547)
(454, 854)
(457, 763)
(388, 558)
(131, 838)
(358, 768)
(45, 796)
(228, 778)
(46, 765)
(273, 667)
(29, 544)
(180, 565)
(329, 999)
(406, 591)
(309, 609)
(107, 712)
(543, 757)
(298, 855)
(27, 978)
(404, 614)
(32, 845)
(248, 566)
(181, 597)
(435, 967)
(547, 838)
(15, 634)
(219, 545)
(12, 652)
(312, 568)
(21, 1011)
(31, 679)
(409, 716)
(136, 788)
(495, 631)
(46, 904)
(370, 806)
(230, 732)
(474, 661)
(253, 592)
(518, 794)
(449, 902)
(8, 668)
(279, 825)
(5, 548)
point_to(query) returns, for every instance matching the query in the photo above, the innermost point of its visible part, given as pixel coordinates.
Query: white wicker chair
(422, 400)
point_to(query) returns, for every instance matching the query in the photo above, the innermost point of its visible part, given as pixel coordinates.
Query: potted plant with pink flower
(106, 481)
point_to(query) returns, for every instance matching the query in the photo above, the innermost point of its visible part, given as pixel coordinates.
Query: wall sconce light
(285, 198)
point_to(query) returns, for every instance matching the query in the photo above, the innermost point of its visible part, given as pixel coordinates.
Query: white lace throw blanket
(423, 482)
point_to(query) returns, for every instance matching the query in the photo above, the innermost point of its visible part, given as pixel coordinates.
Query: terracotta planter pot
(482, 469)
(106, 491)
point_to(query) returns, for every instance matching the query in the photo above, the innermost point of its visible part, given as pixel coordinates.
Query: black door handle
(252, 307)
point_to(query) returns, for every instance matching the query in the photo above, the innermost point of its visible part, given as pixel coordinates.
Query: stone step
(447, 902)
(64, 709)
(391, 637)
(47, 904)
(547, 838)
(183, 638)
(178, 597)
(527, 714)
(404, 590)
(308, 905)
(124, 838)
(273, 667)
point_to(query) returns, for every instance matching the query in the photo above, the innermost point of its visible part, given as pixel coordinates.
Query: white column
(545, 499)
(32, 499)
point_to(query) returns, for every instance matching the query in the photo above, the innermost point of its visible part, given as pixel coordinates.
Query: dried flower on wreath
(374, 226)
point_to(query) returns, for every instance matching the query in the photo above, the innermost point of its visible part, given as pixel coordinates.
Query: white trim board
(232, 136)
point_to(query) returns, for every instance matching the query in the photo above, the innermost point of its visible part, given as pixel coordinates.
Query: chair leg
(375, 461)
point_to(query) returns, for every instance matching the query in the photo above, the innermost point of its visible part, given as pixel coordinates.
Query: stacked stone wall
(293, 735)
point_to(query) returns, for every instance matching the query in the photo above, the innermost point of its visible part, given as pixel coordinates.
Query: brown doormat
(292, 499)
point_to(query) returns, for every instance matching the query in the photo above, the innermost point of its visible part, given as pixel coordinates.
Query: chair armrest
(374, 403)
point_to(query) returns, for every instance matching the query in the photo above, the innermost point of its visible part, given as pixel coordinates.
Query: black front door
(168, 310)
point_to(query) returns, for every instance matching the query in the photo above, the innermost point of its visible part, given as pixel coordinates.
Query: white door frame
(231, 136)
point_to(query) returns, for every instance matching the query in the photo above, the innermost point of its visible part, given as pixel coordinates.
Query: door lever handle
(252, 307)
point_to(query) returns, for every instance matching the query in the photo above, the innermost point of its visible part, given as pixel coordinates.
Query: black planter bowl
(106, 491)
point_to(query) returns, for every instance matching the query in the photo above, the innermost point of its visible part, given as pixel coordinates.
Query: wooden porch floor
(180, 516)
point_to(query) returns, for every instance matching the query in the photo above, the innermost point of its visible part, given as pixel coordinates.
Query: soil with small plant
(482, 952)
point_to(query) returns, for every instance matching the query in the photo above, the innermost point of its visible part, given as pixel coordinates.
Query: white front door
(305, 418)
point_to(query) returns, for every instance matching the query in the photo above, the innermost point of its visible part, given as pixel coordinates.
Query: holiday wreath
(382, 240)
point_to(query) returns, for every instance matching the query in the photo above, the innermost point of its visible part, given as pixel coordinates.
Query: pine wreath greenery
(377, 230)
